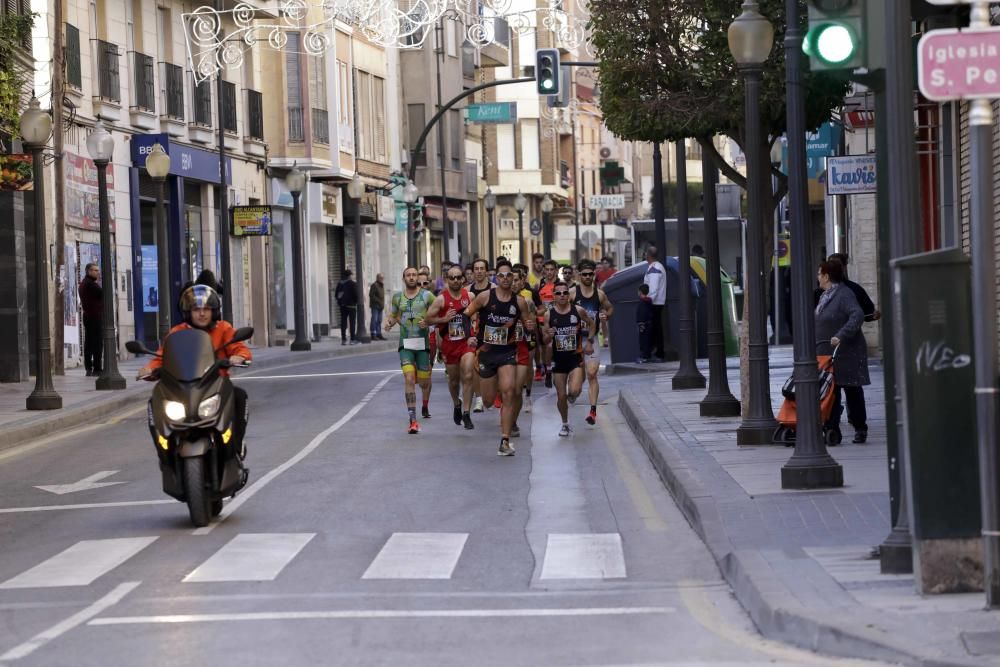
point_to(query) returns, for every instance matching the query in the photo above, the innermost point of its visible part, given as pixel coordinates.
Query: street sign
(535, 226)
(851, 175)
(492, 113)
(957, 64)
(599, 202)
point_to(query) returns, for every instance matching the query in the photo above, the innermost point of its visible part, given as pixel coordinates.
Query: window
(20, 8)
(145, 93)
(255, 115)
(293, 72)
(109, 85)
(317, 99)
(378, 109)
(344, 94)
(203, 103)
(365, 149)
(457, 139)
(74, 75)
(416, 120)
(692, 149)
(529, 144)
(505, 147)
(173, 90)
(450, 39)
(229, 107)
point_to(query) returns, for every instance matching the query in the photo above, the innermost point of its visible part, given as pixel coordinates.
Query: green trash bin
(730, 321)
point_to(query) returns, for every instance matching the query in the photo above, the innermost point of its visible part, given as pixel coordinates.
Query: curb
(687, 474)
(20, 431)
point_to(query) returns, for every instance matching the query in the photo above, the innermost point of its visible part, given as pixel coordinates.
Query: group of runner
(490, 334)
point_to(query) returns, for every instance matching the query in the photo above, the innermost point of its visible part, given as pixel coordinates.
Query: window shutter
(74, 76)
(380, 155)
(293, 71)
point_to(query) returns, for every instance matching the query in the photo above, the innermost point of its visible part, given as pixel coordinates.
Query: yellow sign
(251, 220)
(784, 255)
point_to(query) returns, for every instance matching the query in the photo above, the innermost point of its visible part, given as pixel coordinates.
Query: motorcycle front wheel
(198, 502)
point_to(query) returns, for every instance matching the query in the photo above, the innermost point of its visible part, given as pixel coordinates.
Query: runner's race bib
(456, 329)
(518, 332)
(565, 342)
(495, 335)
(415, 344)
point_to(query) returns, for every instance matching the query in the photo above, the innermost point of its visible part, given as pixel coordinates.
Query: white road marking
(251, 557)
(382, 613)
(84, 506)
(272, 474)
(324, 375)
(80, 564)
(584, 556)
(77, 619)
(417, 556)
(85, 484)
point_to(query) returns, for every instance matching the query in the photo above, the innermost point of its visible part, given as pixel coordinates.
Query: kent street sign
(957, 64)
(492, 113)
(599, 202)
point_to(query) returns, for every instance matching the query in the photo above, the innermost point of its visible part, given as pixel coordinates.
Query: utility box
(932, 293)
(622, 290)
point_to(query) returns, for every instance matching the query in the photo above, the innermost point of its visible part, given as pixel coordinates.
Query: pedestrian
(656, 278)
(469, 279)
(605, 271)
(409, 309)
(838, 326)
(376, 303)
(441, 281)
(347, 298)
(697, 251)
(92, 301)
(206, 277)
(644, 324)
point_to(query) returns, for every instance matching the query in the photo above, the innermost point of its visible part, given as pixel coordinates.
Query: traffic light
(547, 71)
(837, 34)
(418, 219)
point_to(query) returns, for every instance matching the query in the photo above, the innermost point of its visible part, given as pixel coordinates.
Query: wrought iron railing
(255, 114)
(108, 82)
(296, 127)
(321, 126)
(145, 90)
(173, 90)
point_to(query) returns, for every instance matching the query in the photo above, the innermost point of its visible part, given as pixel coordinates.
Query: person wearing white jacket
(656, 279)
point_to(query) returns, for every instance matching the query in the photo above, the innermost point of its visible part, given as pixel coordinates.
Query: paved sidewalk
(800, 561)
(82, 403)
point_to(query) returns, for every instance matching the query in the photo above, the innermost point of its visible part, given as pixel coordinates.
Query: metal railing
(296, 127)
(145, 89)
(229, 107)
(108, 82)
(203, 103)
(321, 126)
(255, 115)
(172, 77)
(74, 71)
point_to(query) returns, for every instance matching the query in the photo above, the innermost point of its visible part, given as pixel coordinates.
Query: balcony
(497, 52)
(296, 126)
(321, 126)
(107, 102)
(143, 109)
(201, 129)
(253, 137)
(172, 100)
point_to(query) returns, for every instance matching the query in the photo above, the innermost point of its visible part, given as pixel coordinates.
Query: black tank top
(591, 304)
(497, 321)
(476, 291)
(567, 339)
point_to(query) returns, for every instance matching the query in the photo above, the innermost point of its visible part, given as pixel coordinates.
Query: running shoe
(592, 417)
(538, 374)
(505, 448)
(548, 378)
(477, 404)
(572, 399)
(457, 414)
(565, 431)
(497, 403)
(467, 421)
(515, 432)
(425, 412)
(414, 428)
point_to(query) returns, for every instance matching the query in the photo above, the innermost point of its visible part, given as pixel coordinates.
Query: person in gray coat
(838, 325)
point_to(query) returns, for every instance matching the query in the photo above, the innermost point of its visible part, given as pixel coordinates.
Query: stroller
(785, 433)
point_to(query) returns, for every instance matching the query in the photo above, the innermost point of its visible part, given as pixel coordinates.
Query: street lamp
(547, 226)
(520, 203)
(410, 195)
(295, 181)
(101, 146)
(750, 39)
(356, 190)
(490, 202)
(158, 166)
(36, 128)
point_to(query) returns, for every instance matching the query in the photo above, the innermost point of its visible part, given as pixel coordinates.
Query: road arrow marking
(85, 484)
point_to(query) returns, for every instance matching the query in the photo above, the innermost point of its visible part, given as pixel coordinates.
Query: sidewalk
(82, 403)
(800, 561)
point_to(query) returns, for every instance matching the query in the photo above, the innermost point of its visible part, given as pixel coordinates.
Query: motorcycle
(191, 419)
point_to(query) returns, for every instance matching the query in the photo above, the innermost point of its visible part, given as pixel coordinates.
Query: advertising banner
(82, 203)
(251, 220)
(150, 285)
(851, 175)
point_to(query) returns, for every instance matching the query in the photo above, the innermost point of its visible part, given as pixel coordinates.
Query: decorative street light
(490, 202)
(547, 226)
(101, 146)
(36, 128)
(410, 195)
(750, 39)
(158, 166)
(520, 203)
(295, 181)
(356, 190)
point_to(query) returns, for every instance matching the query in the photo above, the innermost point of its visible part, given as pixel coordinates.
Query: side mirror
(242, 334)
(135, 347)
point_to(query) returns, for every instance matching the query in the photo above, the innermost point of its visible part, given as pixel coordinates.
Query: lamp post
(520, 203)
(295, 181)
(547, 226)
(356, 190)
(687, 376)
(750, 39)
(490, 202)
(101, 146)
(810, 466)
(158, 166)
(36, 127)
(410, 195)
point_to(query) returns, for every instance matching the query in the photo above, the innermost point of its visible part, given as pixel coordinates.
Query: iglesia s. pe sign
(850, 175)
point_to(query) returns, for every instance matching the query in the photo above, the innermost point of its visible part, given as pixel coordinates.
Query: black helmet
(199, 296)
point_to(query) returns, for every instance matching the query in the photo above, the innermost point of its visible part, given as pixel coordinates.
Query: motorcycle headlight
(209, 406)
(175, 411)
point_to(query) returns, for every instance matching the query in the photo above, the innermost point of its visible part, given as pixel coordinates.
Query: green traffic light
(547, 84)
(833, 43)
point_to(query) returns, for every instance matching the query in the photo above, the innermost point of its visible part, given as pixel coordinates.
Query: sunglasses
(505, 275)
(587, 274)
(561, 293)
(456, 277)
(425, 283)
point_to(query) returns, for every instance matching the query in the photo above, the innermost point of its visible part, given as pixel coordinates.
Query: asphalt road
(357, 544)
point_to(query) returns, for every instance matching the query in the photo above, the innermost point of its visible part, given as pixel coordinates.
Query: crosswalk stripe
(417, 556)
(80, 564)
(584, 556)
(251, 557)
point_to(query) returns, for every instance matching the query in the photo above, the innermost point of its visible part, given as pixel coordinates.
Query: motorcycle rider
(201, 308)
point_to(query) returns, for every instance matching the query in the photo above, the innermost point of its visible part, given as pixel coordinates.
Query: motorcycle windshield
(188, 354)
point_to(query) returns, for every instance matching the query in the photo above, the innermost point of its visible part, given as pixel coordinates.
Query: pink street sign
(959, 64)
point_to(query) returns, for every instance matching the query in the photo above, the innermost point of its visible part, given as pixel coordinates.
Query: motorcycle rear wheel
(198, 502)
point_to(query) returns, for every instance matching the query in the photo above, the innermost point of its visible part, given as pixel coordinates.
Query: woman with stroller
(838, 325)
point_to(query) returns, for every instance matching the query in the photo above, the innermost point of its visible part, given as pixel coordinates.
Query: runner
(543, 299)
(537, 268)
(409, 309)
(424, 281)
(595, 302)
(564, 328)
(455, 329)
(470, 379)
(525, 347)
(500, 310)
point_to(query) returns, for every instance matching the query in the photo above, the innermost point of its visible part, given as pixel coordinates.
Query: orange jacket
(220, 333)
